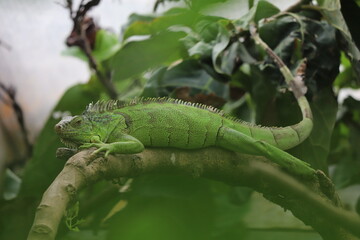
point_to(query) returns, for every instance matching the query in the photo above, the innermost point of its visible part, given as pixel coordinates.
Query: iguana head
(74, 131)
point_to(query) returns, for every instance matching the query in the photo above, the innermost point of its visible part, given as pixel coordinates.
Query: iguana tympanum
(165, 122)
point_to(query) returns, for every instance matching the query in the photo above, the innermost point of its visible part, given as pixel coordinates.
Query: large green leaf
(331, 9)
(222, 41)
(138, 56)
(106, 45)
(203, 25)
(315, 149)
(139, 29)
(188, 73)
(152, 26)
(294, 37)
(262, 9)
(345, 145)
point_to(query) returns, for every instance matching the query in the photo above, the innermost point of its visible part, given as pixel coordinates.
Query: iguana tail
(280, 137)
(297, 86)
(270, 141)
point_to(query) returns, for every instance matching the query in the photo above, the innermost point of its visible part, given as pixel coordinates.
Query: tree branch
(315, 204)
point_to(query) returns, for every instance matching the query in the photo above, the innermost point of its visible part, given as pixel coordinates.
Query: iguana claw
(101, 147)
(88, 145)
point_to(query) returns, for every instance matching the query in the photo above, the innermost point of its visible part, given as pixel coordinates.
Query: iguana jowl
(165, 122)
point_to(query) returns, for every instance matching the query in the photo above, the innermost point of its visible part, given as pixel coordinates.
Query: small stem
(279, 62)
(87, 50)
(83, 41)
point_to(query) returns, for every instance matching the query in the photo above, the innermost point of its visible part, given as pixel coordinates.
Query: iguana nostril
(57, 127)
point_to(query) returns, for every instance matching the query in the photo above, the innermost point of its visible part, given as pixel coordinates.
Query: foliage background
(187, 53)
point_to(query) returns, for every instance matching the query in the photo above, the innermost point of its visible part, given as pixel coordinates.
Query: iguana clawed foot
(101, 147)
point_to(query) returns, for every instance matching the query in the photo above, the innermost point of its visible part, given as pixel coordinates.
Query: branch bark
(314, 201)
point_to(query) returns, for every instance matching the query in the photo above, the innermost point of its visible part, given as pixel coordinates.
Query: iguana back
(167, 122)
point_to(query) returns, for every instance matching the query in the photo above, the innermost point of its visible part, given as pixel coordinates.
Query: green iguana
(164, 122)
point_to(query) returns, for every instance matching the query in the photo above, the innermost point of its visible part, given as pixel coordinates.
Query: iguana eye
(77, 122)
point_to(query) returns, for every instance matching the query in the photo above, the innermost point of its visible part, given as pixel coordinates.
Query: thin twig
(82, 40)
(87, 50)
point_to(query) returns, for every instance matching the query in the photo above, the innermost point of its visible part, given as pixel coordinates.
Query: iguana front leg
(125, 145)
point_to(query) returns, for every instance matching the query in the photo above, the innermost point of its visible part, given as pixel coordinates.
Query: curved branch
(315, 204)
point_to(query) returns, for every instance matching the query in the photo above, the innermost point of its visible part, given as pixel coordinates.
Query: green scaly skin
(165, 122)
(172, 123)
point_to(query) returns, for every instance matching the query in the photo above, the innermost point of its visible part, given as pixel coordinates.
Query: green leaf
(200, 5)
(136, 57)
(11, 185)
(151, 88)
(135, 18)
(71, 217)
(200, 50)
(346, 77)
(207, 27)
(345, 145)
(223, 55)
(294, 37)
(222, 41)
(230, 58)
(262, 9)
(106, 45)
(75, 51)
(315, 149)
(188, 73)
(204, 37)
(331, 10)
(350, 10)
(262, 91)
(152, 26)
